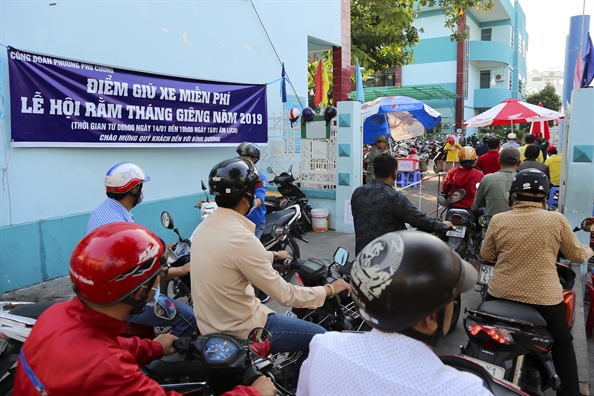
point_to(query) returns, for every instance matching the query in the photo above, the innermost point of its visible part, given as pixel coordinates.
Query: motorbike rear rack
(489, 315)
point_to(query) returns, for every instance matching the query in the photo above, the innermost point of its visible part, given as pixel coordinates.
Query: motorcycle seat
(513, 310)
(31, 310)
(279, 217)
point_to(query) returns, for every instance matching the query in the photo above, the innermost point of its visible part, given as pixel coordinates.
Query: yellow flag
(326, 83)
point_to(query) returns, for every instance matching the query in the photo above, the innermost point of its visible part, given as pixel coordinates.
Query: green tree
(383, 32)
(549, 99)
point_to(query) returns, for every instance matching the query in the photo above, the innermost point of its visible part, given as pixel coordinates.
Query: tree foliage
(383, 32)
(549, 99)
(547, 96)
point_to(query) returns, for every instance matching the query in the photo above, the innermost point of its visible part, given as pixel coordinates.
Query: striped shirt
(110, 211)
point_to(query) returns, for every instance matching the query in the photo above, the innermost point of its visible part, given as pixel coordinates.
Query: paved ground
(323, 246)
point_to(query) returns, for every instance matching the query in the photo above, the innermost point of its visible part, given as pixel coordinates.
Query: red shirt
(489, 162)
(462, 178)
(73, 350)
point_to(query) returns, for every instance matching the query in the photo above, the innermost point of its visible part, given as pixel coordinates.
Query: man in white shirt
(396, 281)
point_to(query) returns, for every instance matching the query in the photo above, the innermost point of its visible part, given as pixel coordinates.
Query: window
(511, 84)
(486, 34)
(485, 79)
(536, 78)
(512, 38)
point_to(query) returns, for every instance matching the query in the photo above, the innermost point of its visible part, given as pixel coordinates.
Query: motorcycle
(462, 236)
(206, 206)
(338, 313)
(18, 318)
(277, 233)
(511, 341)
(178, 288)
(291, 195)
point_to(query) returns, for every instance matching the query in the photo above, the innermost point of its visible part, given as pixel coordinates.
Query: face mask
(254, 203)
(153, 301)
(140, 198)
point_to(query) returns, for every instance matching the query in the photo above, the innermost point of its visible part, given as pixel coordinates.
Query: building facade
(537, 80)
(482, 71)
(48, 192)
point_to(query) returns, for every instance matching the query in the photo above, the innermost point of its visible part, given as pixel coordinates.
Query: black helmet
(402, 277)
(487, 137)
(232, 177)
(530, 181)
(248, 149)
(329, 114)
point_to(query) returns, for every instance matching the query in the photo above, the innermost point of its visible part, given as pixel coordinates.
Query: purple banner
(63, 103)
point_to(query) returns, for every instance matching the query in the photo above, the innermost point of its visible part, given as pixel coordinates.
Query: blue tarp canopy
(399, 116)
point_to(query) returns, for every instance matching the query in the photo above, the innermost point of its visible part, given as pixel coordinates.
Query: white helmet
(122, 177)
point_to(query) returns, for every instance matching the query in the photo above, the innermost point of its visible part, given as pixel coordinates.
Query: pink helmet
(122, 177)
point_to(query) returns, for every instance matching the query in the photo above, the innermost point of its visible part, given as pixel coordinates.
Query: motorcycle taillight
(457, 219)
(299, 279)
(500, 335)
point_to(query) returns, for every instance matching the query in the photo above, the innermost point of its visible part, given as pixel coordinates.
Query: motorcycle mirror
(166, 220)
(457, 196)
(203, 185)
(269, 170)
(588, 224)
(484, 220)
(278, 231)
(260, 342)
(290, 168)
(165, 308)
(341, 256)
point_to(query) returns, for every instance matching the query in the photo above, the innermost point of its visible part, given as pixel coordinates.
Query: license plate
(457, 233)
(486, 274)
(290, 313)
(495, 371)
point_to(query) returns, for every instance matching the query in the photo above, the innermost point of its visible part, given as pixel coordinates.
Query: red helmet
(113, 261)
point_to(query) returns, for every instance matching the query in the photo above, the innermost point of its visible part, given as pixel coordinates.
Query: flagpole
(582, 36)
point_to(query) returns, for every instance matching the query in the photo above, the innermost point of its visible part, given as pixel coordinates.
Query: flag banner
(58, 102)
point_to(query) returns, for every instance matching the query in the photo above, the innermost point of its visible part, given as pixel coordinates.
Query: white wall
(429, 73)
(433, 27)
(211, 40)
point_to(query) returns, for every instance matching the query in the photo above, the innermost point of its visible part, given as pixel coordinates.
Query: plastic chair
(553, 199)
(590, 321)
(401, 179)
(413, 177)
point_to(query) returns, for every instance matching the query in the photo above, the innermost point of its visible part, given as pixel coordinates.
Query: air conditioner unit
(499, 77)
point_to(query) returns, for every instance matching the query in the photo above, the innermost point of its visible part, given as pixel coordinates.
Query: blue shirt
(258, 216)
(110, 211)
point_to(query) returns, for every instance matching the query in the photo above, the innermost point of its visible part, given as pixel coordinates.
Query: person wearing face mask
(227, 259)
(123, 187)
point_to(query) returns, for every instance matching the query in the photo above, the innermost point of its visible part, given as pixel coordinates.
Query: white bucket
(319, 220)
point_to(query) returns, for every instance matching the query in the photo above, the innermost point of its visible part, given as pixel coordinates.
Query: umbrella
(512, 111)
(399, 116)
(541, 127)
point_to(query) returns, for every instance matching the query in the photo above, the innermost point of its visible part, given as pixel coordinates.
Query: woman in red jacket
(466, 177)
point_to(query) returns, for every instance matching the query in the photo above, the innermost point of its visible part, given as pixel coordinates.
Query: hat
(511, 136)
(510, 153)
(552, 149)
(413, 150)
(381, 138)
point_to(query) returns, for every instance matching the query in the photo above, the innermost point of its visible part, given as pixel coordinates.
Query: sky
(547, 23)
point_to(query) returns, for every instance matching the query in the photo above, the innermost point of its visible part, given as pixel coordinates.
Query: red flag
(319, 85)
(579, 68)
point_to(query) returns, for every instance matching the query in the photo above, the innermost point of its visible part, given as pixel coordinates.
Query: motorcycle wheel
(176, 289)
(6, 385)
(462, 251)
(455, 314)
(435, 169)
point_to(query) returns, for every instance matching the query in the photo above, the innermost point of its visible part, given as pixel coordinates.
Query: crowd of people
(117, 267)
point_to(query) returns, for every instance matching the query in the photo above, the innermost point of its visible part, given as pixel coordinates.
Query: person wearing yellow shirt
(452, 148)
(554, 164)
(529, 140)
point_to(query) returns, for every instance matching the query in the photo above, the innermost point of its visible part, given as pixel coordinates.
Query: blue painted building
(483, 71)
(48, 193)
